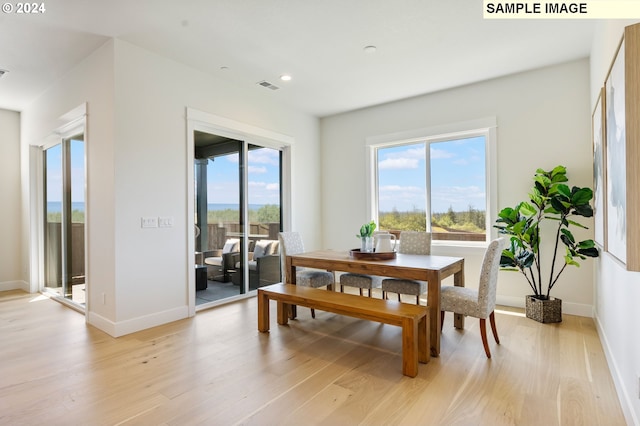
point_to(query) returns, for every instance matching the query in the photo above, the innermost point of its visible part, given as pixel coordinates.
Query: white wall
(151, 96)
(617, 292)
(137, 166)
(543, 120)
(11, 266)
(91, 82)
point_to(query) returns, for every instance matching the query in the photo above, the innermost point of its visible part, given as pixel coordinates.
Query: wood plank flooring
(217, 369)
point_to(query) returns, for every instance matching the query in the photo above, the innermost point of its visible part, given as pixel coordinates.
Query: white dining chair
(291, 244)
(478, 303)
(411, 242)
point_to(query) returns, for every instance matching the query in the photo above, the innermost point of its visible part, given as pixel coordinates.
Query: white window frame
(481, 127)
(249, 134)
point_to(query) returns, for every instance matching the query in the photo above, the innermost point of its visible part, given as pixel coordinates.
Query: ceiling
(422, 45)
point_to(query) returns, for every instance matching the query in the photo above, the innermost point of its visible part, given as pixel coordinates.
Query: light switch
(149, 222)
(165, 221)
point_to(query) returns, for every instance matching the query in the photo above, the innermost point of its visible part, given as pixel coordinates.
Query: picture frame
(616, 171)
(621, 103)
(599, 171)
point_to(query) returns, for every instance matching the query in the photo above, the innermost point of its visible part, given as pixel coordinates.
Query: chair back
(415, 242)
(290, 244)
(489, 276)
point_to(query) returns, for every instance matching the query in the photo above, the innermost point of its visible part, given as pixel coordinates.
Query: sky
(54, 172)
(457, 176)
(264, 178)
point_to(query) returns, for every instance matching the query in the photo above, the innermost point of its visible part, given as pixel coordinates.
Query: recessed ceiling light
(370, 49)
(285, 77)
(224, 68)
(3, 72)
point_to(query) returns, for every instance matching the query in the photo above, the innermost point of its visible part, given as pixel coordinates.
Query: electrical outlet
(165, 221)
(149, 222)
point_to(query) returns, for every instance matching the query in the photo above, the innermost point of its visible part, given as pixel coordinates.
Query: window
(438, 182)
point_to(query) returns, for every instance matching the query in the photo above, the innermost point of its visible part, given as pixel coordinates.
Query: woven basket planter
(544, 311)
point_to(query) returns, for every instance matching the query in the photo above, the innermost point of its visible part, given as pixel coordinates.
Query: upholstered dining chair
(360, 281)
(411, 242)
(478, 303)
(290, 244)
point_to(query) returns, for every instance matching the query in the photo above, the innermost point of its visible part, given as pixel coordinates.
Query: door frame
(76, 123)
(249, 134)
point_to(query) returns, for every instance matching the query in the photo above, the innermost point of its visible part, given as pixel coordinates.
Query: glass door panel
(53, 220)
(76, 235)
(237, 216)
(264, 201)
(64, 228)
(220, 240)
(224, 218)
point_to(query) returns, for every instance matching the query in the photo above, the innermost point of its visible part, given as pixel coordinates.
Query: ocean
(56, 206)
(219, 206)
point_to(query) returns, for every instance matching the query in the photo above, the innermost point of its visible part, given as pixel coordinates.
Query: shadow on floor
(215, 291)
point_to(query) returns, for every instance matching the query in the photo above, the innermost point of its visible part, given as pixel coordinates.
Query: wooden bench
(413, 319)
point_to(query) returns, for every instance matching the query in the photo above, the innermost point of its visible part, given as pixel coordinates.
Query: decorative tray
(357, 254)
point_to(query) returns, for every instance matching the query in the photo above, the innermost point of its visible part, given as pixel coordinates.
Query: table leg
(263, 311)
(290, 272)
(458, 280)
(424, 352)
(433, 302)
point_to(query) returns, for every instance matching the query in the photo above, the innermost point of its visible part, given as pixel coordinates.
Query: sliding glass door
(237, 216)
(64, 219)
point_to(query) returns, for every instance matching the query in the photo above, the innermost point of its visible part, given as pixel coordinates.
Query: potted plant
(366, 236)
(550, 201)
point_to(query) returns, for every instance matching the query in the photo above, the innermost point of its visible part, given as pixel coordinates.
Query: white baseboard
(623, 396)
(117, 329)
(567, 308)
(14, 285)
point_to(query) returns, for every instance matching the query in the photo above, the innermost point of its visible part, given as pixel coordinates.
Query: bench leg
(424, 339)
(263, 312)
(283, 313)
(410, 337)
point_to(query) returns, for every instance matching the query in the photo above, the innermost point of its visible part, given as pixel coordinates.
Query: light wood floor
(217, 369)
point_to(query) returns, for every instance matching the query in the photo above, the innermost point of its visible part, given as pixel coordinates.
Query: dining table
(430, 268)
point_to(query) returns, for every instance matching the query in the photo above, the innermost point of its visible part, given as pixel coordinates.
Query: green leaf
(525, 259)
(586, 244)
(527, 209)
(569, 261)
(579, 225)
(507, 262)
(584, 210)
(581, 196)
(508, 254)
(568, 234)
(567, 242)
(564, 190)
(561, 207)
(559, 171)
(589, 252)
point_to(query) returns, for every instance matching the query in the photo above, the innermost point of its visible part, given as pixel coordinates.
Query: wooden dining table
(429, 268)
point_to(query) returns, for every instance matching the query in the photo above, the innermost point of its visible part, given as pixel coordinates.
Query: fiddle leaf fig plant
(550, 201)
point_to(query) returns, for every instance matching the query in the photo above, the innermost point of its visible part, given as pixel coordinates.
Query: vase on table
(367, 244)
